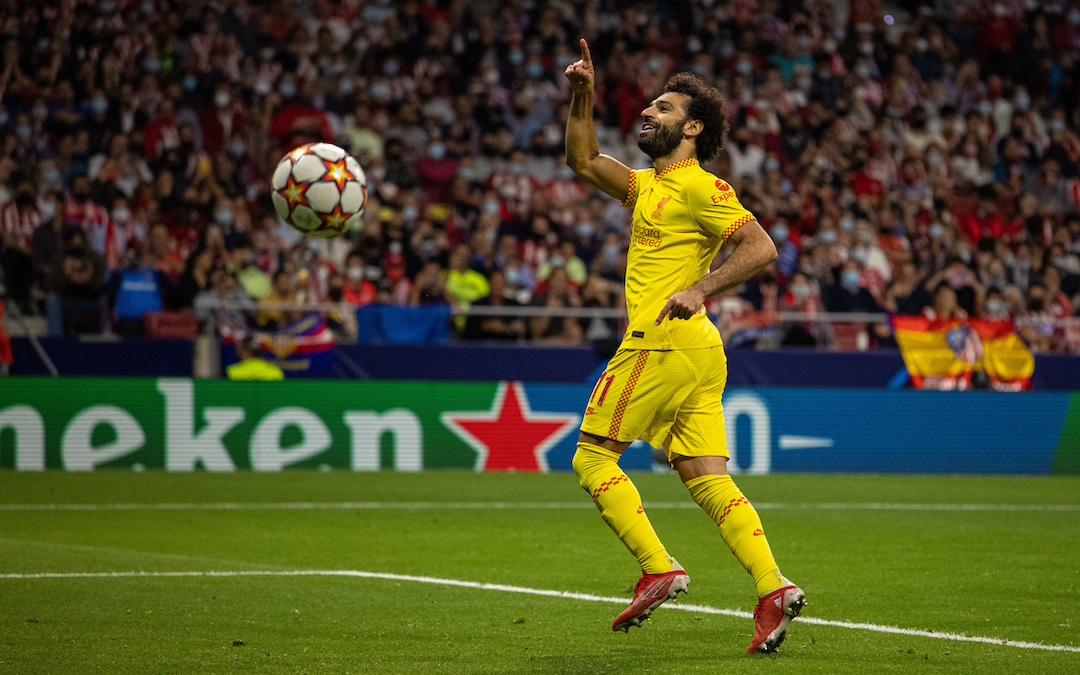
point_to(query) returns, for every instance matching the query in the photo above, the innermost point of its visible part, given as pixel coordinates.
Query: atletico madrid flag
(943, 353)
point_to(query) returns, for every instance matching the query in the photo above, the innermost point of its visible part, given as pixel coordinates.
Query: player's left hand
(682, 305)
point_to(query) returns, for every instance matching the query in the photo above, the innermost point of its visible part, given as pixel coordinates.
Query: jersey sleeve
(632, 191)
(715, 207)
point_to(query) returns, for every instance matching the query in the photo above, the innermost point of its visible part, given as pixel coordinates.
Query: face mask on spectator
(584, 229)
(566, 173)
(437, 151)
(4, 118)
(804, 83)
(50, 176)
(850, 280)
(121, 214)
(866, 48)
(288, 89)
(410, 213)
(252, 192)
(936, 230)
(516, 57)
(1022, 101)
(986, 108)
(860, 254)
(491, 207)
(48, 210)
(772, 164)
(23, 131)
(535, 69)
(82, 196)
(99, 105)
(153, 65)
(516, 168)
(862, 70)
(345, 88)
(780, 232)
(995, 306)
(693, 45)
(107, 7)
(934, 158)
(800, 291)
(468, 173)
(335, 293)
(380, 91)
(40, 112)
(1056, 125)
(965, 256)
(828, 237)
(1035, 305)
(355, 273)
(744, 67)
(236, 149)
(513, 276)
(223, 216)
(1074, 17)
(921, 44)
(847, 223)
(222, 99)
(391, 68)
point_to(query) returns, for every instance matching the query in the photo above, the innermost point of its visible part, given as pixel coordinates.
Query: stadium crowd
(922, 163)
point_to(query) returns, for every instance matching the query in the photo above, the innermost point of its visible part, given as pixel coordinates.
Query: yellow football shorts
(669, 399)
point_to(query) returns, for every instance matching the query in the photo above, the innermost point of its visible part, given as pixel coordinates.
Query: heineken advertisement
(87, 424)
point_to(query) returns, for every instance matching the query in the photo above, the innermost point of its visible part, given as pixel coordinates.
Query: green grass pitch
(1005, 573)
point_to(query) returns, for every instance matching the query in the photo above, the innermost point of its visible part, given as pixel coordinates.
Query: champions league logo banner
(304, 348)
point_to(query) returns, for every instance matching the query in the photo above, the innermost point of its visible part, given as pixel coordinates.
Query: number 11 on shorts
(603, 392)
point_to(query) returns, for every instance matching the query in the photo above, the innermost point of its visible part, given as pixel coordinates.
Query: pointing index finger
(663, 313)
(585, 55)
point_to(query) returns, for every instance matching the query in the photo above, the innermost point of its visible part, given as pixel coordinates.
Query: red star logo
(336, 172)
(293, 192)
(510, 436)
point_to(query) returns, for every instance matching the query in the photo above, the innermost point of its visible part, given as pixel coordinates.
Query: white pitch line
(701, 609)
(305, 506)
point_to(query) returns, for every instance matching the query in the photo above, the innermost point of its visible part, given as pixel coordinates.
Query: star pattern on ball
(336, 172)
(293, 193)
(335, 219)
(298, 153)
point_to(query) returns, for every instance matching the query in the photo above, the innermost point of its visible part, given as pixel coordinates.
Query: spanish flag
(943, 353)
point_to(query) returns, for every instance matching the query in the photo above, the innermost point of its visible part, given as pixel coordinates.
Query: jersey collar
(692, 161)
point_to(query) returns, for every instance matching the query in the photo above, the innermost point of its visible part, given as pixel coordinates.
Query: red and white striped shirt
(19, 223)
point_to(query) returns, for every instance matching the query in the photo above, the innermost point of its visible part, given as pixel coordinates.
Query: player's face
(662, 125)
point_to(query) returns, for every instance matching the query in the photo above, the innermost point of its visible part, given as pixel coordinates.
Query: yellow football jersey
(681, 218)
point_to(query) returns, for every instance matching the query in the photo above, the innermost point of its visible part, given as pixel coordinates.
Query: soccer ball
(320, 190)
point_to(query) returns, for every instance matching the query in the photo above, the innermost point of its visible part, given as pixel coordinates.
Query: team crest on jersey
(660, 207)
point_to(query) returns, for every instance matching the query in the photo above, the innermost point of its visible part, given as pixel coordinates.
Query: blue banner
(859, 431)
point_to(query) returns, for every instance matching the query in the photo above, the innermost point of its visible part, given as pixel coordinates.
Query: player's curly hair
(708, 106)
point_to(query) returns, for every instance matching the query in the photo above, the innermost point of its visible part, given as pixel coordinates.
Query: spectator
(484, 327)
(356, 289)
(19, 218)
(135, 289)
(559, 295)
(76, 283)
(464, 285)
(849, 293)
(284, 291)
(224, 306)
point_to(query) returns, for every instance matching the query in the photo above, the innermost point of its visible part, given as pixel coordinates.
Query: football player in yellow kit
(665, 382)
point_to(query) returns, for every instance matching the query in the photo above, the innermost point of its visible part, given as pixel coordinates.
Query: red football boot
(772, 616)
(652, 590)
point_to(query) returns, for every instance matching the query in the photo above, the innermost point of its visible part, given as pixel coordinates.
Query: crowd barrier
(791, 366)
(180, 425)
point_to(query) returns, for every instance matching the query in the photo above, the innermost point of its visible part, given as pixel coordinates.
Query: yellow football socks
(620, 505)
(740, 527)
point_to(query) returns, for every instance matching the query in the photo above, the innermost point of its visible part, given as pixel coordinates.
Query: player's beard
(663, 140)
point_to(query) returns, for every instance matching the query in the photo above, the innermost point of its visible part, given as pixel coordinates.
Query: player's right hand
(580, 72)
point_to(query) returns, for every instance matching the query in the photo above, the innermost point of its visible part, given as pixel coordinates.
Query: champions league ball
(320, 190)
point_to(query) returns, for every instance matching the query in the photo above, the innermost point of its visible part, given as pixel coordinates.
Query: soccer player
(665, 382)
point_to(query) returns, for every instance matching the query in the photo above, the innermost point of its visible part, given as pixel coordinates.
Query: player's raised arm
(582, 152)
